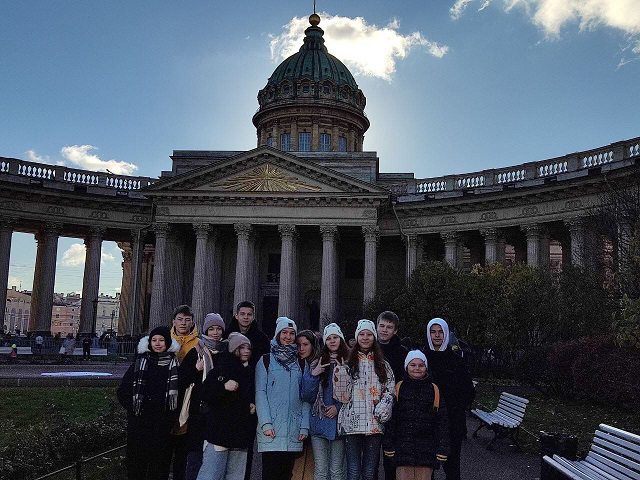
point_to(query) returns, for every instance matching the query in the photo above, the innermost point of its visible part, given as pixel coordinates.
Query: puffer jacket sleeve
(443, 429)
(262, 401)
(383, 410)
(310, 384)
(342, 384)
(125, 390)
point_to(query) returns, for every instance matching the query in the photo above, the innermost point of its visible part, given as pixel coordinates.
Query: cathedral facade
(304, 225)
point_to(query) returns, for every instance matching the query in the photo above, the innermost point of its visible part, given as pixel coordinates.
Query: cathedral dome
(311, 102)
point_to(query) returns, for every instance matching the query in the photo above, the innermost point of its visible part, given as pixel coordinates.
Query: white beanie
(445, 331)
(332, 329)
(365, 324)
(412, 355)
(282, 323)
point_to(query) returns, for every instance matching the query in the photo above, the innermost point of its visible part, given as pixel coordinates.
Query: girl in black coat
(417, 436)
(149, 393)
(449, 371)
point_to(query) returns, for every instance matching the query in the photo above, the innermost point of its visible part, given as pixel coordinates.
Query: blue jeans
(363, 455)
(222, 465)
(328, 458)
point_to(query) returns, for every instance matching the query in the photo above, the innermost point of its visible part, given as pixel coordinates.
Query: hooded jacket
(186, 342)
(417, 432)
(259, 340)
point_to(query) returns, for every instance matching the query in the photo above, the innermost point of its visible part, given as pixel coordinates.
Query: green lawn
(562, 415)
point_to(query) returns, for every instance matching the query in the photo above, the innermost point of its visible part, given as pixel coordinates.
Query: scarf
(285, 355)
(164, 359)
(207, 347)
(186, 342)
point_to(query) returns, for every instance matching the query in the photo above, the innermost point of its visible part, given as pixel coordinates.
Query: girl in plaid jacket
(364, 386)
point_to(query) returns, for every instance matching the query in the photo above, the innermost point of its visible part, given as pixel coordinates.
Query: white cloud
(367, 49)
(80, 155)
(14, 282)
(76, 253)
(32, 156)
(553, 15)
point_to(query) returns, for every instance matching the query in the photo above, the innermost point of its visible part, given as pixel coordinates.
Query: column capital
(243, 230)
(532, 230)
(137, 234)
(490, 234)
(52, 228)
(371, 233)
(287, 230)
(574, 224)
(202, 230)
(449, 237)
(412, 239)
(94, 232)
(161, 229)
(329, 232)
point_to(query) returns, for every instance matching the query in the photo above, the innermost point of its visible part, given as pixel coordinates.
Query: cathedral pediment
(264, 171)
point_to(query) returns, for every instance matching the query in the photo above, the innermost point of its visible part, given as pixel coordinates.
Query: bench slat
(632, 447)
(615, 448)
(615, 472)
(516, 406)
(571, 468)
(497, 419)
(507, 421)
(613, 463)
(515, 398)
(512, 412)
(509, 415)
(558, 466)
(593, 470)
(618, 459)
(632, 437)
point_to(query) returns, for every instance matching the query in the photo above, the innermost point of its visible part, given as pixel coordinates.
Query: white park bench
(505, 420)
(614, 454)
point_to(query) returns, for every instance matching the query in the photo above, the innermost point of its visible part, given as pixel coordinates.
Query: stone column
(135, 284)
(294, 136)
(6, 232)
(123, 319)
(576, 229)
(214, 274)
(44, 279)
(371, 234)
(411, 242)
(545, 242)
(315, 137)
(287, 267)
(157, 315)
(532, 232)
(450, 248)
(243, 282)
(490, 245)
(500, 250)
(329, 283)
(198, 297)
(91, 281)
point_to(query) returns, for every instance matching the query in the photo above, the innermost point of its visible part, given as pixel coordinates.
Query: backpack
(436, 396)
(266, 359)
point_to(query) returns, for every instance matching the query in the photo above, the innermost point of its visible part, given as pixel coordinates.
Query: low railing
(528, 171)
(79, 468)
(56, 173)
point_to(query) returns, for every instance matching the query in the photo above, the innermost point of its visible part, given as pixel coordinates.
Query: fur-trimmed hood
(143, 345)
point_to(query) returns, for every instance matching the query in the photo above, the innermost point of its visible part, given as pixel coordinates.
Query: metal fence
(103, 466)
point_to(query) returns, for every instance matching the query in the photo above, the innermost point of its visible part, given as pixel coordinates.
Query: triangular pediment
(264, 171)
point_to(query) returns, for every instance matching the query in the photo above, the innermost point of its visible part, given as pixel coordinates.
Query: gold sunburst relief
(265, 178)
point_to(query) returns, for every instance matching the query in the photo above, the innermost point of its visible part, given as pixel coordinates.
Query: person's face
(333, 342)
(215, 332)
(245, 316)
(351, 342)
(386, 330)
(416, 369)
(287, 336)
(437, 336)
(183, 323)
(304, 347)
(158, 344)
(243, 352)
(365, 340)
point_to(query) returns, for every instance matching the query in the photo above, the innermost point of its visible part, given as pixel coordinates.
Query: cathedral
(304, 225)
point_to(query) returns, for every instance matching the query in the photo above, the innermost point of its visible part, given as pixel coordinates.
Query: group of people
(204, 399)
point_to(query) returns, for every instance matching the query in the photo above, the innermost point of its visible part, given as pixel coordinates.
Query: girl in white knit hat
(364, 385)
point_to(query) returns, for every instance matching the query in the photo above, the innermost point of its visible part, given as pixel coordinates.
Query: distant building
(107, 313)
(17, 310)
(65, 315)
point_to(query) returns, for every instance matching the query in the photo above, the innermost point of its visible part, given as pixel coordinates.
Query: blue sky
(451, 86)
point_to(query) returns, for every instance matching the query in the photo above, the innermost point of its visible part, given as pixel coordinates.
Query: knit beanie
(445, 331)
(284, 322)
(212, 320)
(365, 324)
(412, 355)
(332, 329)
(165, 332)
(236, 339)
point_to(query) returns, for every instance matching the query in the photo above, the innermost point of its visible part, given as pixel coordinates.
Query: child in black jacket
(417, 436)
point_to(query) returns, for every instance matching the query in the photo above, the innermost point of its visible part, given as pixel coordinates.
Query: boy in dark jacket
(231, 419)
(417, 436)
